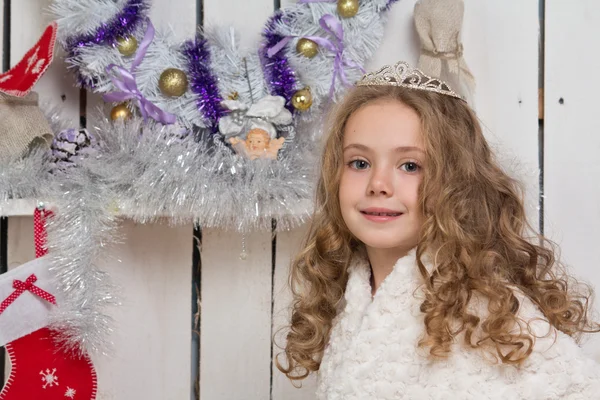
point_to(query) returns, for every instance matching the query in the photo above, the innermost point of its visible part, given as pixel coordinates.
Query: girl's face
(383, 157)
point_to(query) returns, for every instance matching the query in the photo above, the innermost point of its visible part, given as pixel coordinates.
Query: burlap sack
(22, 124)
(439, 24)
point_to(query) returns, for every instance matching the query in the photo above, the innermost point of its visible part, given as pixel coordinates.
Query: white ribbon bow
(264, 114)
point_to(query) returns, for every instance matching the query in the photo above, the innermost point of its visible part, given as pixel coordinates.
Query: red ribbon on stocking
(22, 287)
(40, 219)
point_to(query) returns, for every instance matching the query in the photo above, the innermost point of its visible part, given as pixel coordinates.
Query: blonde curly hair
(475, 229)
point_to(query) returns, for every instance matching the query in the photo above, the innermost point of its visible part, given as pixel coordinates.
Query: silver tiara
(401, 74)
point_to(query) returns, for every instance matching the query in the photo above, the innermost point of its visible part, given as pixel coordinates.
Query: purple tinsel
(389, 4)
(278, 73)
(203, 82)
(122, 24)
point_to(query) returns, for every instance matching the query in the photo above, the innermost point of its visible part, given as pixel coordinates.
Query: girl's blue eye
(410, 166)
(358, 164)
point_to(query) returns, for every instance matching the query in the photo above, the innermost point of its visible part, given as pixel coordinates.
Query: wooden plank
(56, 87)
(288, 245)
(571, 140)
(236, 316)
(236, 294)
(163, 349)
(247, 17)
(153, 334)
(501, 48)
(158, 346)
(21, 247)
(178, 16)
(18, 207)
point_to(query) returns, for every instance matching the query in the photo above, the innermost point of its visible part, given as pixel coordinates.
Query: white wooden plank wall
(235, 341)
(572, 140)
(244, 302)
(153, 341)
(152, 355)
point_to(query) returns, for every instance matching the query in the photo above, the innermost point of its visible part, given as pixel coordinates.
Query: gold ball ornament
(127, 46)
(173, 82)
(302, 99)
(120, 112)
(347, 8)
(307, 48)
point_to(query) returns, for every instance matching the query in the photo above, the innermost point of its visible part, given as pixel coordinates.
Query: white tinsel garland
(79, 236)
(159, 173)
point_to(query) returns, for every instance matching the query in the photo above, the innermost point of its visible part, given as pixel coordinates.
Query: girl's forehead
(384, 124)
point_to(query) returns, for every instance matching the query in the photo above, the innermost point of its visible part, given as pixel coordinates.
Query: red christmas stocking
(19, 80)
(40, 370)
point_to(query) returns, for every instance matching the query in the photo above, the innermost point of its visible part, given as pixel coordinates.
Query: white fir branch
(82, 17)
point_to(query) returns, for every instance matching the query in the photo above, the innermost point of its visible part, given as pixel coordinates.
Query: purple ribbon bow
(331, 25)
(124, 80)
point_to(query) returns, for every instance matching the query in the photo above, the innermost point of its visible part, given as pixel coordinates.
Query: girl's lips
(380, 214)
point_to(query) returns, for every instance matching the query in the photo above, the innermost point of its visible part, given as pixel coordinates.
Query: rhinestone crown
(401, 74)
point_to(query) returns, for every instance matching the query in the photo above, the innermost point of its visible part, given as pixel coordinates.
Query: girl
(418, 279)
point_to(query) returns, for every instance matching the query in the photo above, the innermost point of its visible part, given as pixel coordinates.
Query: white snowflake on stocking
(48, 378)
(38, 66)
(70, 393)
(31, 60)
(5, 78)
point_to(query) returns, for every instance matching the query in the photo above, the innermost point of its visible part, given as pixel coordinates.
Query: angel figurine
(258, 144)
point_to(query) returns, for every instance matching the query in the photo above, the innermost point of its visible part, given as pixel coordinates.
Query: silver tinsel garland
(160, 174)
(79, 236)
(24, 177)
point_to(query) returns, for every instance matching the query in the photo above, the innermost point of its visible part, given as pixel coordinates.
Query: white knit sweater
(373, 354)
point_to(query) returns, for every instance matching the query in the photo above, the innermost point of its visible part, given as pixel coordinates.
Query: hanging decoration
(25, 131)
(173, 82)
(127, 45)
(347, 8)
(120, 112)
(19, 80)
(439, 24)
(307, 47)
(23, 126)
(302, 99)
(38, 368)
